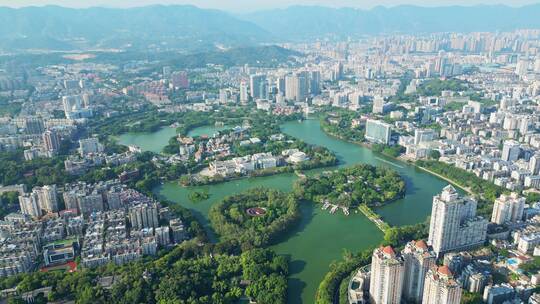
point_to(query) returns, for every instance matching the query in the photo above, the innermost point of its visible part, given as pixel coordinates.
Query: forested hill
(166, 27)
(192, 29)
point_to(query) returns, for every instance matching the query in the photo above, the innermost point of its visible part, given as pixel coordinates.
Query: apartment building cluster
(91, 154)
(457, 238)
(101, 223)
(40, 137)
(411, 275)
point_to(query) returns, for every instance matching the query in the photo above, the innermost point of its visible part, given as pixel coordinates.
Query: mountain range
(192, 29)
(159, 27)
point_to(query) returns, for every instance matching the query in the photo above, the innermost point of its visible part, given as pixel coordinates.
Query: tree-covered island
(350, 187)
(254, 218)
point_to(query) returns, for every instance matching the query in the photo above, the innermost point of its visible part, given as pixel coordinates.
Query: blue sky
(251, 5)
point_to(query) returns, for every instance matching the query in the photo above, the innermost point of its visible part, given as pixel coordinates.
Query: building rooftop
(388, 250)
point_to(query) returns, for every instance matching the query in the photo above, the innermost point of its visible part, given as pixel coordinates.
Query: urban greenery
(487, 191)
(532, 266)
(434, 87)
(328, 288)
(188, 274)
(198, 196)
(231, 221)
(349, 187)
(392, 151)
(338, 123)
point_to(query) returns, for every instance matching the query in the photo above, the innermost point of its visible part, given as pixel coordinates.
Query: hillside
(158, 27)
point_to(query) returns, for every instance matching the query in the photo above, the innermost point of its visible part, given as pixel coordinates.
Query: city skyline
(242, 6)
(214, 153)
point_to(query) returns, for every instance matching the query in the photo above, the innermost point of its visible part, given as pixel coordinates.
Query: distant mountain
(305, 22)
(191, 29)
(165, 27)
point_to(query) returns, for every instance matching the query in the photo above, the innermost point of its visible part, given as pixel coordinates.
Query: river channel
(320, 238)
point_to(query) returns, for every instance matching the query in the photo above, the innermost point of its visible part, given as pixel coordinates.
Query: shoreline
(445, 178)
(412, 163)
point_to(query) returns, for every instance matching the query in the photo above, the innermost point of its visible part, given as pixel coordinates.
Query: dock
(334, 208)
(300, 174)
(326, 205)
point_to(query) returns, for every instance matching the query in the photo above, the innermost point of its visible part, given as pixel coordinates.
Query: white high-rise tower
(386, 279)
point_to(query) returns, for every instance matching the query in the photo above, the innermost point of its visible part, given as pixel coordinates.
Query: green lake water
(154, 142)
(320, 237)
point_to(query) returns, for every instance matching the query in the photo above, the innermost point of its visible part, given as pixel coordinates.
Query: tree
(434, 154)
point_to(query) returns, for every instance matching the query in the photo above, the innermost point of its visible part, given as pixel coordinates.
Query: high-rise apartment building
(144, 216)
(29, 204)
(338, 72)
(511, 150)
(454, 224)
(378, 105)
(315, 82)
(51, 141)
(47, 197)
(386, 280)
(522, 67)
(291, 87)
(508, 209)
(297, 86)
(534, 164)
(257, 85)
(280, 84)
(244, 95)
(418, 259)
(72, 104)
(40, 199)
(378, 131)
(89, 203)
(440, 287)
(303, 86)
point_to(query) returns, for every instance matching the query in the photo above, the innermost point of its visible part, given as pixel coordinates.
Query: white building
(454, 224)
(144, 216)
(29, 204)
(72, 104)
(418, 259)
(508, 209)
(423, 136)
(90, 145)
(511, 150)
(41, 199)
(378, 131)
(441, 287)
(386, 281)
(51, 140)
(48, 198)
(244, 95)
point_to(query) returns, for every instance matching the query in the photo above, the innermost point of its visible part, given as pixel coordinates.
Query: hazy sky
(250, 5)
